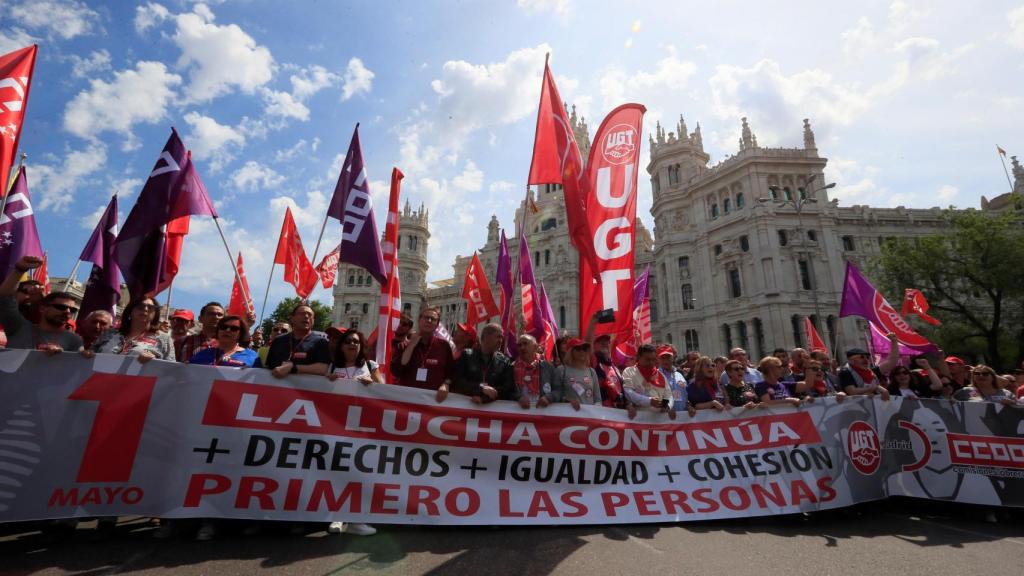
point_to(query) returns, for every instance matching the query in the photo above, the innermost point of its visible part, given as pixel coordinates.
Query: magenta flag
(528, 286)
(18, 235)
(505, 283)
(352, 205)
(860, 298)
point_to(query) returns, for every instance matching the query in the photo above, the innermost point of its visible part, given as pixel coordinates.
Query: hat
(467, 329)
(336, 331)
(575, 343)
(186, 315)
(857, 351)
(666, 349)
(955, 360)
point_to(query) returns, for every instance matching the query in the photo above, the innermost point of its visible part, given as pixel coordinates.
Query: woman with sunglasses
(232, 347)
(139, 334)
(771, 391)
(348, 357)
(985, 386)
(815, 384)
(703, 391)
(739, 393)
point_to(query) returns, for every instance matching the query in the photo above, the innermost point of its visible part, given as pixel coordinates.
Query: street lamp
(802, 199)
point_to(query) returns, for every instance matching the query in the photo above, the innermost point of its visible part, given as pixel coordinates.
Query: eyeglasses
(354, 341)
(736, 370)
(278, 330)
(430, 318)
(231, 328)
(64, 307)
(146, 307)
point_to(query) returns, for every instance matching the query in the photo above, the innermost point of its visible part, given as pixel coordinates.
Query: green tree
(321, 314)
(972, 276)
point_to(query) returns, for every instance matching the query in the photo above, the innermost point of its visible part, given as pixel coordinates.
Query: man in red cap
(957, 375)
(674, 379)
(464, 337)
(182, 322)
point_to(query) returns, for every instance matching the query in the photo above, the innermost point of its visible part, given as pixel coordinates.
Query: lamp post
(798, 202)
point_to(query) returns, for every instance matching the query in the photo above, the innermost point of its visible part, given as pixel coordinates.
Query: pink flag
(328, 267)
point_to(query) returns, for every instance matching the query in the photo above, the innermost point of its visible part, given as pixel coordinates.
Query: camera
(606, 316)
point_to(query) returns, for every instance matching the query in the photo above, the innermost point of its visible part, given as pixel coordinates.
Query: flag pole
(71, 277)
(167, 305)
(266, 294)
(319, 238)
(234, 266)
(1002, 158)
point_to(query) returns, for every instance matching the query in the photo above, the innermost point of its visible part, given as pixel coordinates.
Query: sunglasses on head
(64, 307)
(231, 328)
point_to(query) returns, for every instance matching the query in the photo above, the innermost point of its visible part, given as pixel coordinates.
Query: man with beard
(55, 310)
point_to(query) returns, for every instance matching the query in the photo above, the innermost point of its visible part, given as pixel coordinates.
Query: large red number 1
(117, 428)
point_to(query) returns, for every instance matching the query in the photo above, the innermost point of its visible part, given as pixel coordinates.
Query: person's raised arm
(894, 354)
(9, 287)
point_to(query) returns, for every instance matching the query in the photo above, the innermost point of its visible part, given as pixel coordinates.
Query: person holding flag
(859, 377)
(56, 309)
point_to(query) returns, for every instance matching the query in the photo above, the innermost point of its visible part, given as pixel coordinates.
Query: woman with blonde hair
(985, 386)
(703, 391)
(771, 391)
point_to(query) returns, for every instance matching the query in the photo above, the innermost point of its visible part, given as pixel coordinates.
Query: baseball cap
(666, 349)
(186, 315)
(857, 351)
(575, 343)
(336, 331)
(955, 360)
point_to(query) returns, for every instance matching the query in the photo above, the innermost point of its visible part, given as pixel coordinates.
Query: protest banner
(109, 436)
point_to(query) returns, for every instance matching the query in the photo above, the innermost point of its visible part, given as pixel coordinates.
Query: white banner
(110, 436)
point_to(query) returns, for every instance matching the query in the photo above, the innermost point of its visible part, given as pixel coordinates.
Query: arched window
(727, 205)
(366, 308)
(561, 316)
(739, 201)
(536, 258)
(547, 257)
(714, 211)
(687, 294)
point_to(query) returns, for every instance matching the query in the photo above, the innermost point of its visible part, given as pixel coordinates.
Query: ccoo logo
(620, 144)
(863, 447)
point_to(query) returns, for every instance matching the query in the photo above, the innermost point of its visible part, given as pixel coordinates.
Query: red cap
(336, 331)
(467, 329)
(186, 315)
(666, 349)
(575, 343)
(955, 360)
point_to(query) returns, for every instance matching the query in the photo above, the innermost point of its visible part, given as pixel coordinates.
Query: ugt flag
(15, 81)
(860, 298)
(103, 289)
(18, 235)
(352, 206)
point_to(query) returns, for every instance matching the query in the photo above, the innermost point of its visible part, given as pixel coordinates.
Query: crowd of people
(580, 371)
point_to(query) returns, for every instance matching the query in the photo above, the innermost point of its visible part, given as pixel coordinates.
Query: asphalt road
(897, 537)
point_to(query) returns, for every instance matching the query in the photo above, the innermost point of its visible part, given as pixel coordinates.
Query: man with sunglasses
(280, 328)
(750, 374)
(861, 378)
(209, 316)
(55, 310)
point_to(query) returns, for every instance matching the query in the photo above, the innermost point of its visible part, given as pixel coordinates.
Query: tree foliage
(972, 276)
(321, 312)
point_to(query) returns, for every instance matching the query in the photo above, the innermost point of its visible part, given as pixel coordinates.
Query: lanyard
(292, 345)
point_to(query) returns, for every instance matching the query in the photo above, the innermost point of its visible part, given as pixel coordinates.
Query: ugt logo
(620, 144)
(863, 448)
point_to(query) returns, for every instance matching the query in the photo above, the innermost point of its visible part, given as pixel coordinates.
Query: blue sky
(907, 100)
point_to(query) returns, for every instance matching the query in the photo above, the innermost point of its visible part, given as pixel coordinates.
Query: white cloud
(670, 76)
(223, 58)
(311, 80)
(860, 38)
(55, 183)
(501, 186)
(212, 143)
(306, 83)
(149, 15)
(557, 7)
(284, 105)
(1016, 36)
(358, 79)
(13, 39)
(470, 180)
(98, 61)
(297, 150)
(255, 176)
(139, 95)
(65, 18)
(947, 193)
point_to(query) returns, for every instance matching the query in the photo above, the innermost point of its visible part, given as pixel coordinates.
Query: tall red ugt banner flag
(611, 211)
(480, 306)
(860, 298)
(15, 81)
(390, 309)
(297, 269)
(241, 303)
(557, 160)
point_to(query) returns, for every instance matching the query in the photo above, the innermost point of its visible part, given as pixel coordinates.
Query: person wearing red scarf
(645, 386)
(860, 378)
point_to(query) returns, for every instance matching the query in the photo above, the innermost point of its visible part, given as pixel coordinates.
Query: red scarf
(653, 376)
(866, 374)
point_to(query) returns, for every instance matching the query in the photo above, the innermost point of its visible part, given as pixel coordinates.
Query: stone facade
(741, 252)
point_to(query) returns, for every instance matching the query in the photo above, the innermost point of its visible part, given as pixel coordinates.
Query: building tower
(413, 237)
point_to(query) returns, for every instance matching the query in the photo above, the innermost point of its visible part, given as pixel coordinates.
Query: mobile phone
(606, 316)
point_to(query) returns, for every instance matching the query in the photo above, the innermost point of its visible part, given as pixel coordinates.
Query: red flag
(241, 303)
(42, 276)
(914, 303)
(814, 341)
(611, 208)
(328, 267)
(477, 293)
(297, 269)
(390, 309)
(557, 160)
(15, 81)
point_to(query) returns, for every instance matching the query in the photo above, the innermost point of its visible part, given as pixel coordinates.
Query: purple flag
(641, 288)
(546, 311)
(352, 206)
(528, 284)
(860, 298)
(103, 289)
(504, 283)
(172, 190)
(18, 235)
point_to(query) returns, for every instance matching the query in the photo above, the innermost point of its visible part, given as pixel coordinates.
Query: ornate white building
(742, 251)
